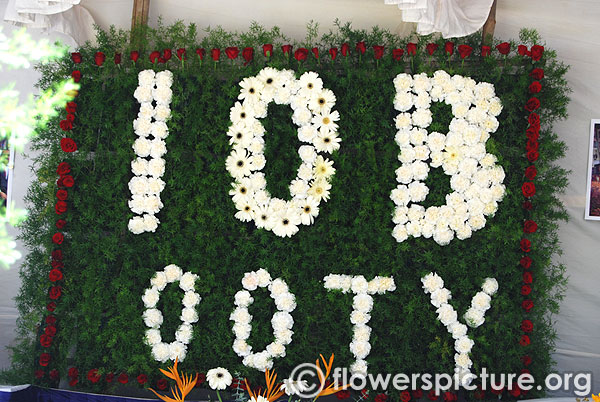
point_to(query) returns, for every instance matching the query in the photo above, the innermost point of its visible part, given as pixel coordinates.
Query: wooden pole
(139, 15)
(489, 26)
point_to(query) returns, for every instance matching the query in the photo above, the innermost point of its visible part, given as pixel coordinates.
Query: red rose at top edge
(232, 52)
(286, 49)
(76, 57)
(464, 51)
(99, 58)
(134, 55)
(361, 47)
(200, 52)
(63, 168)
(267, 50)
(315, 51)
(142, 379)
(333, 52)
(522, 50)
(162, 384)
(181, 54)
(503, 48)
(449, 48)
(248, 54)
(154, 56)
(532, 104)
(93, 376)
(397, 54)
(528, 189)
(215, 54)
(537, 74)
(76, 75)
(123, 378)
(378, 54)
(117, 58)
(530, 226)
(535, 87)
(301, 54)
(485, 51)
(167, 54)
(411, 49)
(68, 145)
(537, 52)
(431, 48)
(345, 49)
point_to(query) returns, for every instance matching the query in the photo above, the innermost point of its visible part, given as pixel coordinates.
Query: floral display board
(247, 202)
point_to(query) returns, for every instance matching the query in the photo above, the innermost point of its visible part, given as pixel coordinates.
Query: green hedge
(107, 268)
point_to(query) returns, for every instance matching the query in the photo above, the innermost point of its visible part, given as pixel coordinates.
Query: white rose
(250, 281)
(359, 317)
(189, 315)
(136, 225)
(490, 286)
(191, 299)
(474, 317)
(159, 280)
(363, 302)
(446, 314)
(359, 284)
(151, 297)
(243, 298)
(432, 282)
(463, 344)
(173, 273)
(360, 349)
(153, 318)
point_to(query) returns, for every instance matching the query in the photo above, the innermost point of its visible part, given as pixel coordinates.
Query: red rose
(45, 340)
(532, 145)
(232, 52)
(55, 292)
(117, 58)
(527, 305)
(73, 372)
(503, 48)
(55, 275)
(286, 49)
(537, 74)
(534, 119)
(50, 330)
(411, 49)
(123, 378)
(54, 374)
(57, 264)
(110, 377)
(248, 54)
(67, 181)
(527, 277)
(450, 396)
(526, 262)
(51, 306)
(167, 54)
(315, 51)
(63, 168)
(380, 398)
(58, 238)
(345, 394)
(397, 54)
(431, 48)
(522, 50)
(525, 290)
(524, 341)
(268, 50)
(417, 393)
(530, 226)
(50, 320)
(66, 125)
(154, 56)
(93, 376)
(533, 155)
(526, 360)
(345, 49)
(44, 359)
(535, 87)
(161, 384)
(533, 133)
(464, 51)
(181, 54)
(404, 396)
(530, 172)
(99, 58)
(73, 382)
(134, 55)
(361, 47)
(333, 52)
(536, 52)
(532, 104)
(525, 245)
(68, 145)
(527, 326)
(71, 107)
(301, 54)
(528, 189)
(215, 54)
(39, 374)
(485, 51)
(378, 54)
(60, 208)
(449, 48)
(70, 117)
(432, 396)
(62, 194)
(76, 75)
(142, 379)
(515, 390)
(76, 57)
(200, 52)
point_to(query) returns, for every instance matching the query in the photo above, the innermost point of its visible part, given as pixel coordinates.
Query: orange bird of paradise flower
(273, 391)
(596, 398)
(333, 387)
(184, 384)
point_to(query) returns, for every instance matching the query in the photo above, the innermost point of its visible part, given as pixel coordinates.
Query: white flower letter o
(476, 180)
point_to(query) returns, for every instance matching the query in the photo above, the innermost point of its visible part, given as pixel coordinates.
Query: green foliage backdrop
(107, 268)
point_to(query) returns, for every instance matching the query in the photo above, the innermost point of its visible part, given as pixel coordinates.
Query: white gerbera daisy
(322, 102)
(326, 120)
(309, 210)
(240, 113)
(310, 84)
(218, 378)
(320, 190)
(286, 222)
(263, 218)
(293, 387)
(239, 135)
(323, 168)
(242, 190)
(327, 142)
(251, 89)
(245, 210)
(238, 163)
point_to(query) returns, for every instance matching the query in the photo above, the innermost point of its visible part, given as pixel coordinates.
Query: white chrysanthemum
(359, 284)
(359, 368)
(362, 333)
(285, 302)
(159, 280)
(462, 360)
(218, 378)
(161, 352)
(282, 320)
(191, 299)
(323, 168)
(151, 297)
(146, 78)
(400, 196)
(177, 351)
(153, 318)
(243, 298)
(363, 302)
(241, 315)
(162, 112)
(250, 281)
(490, 286)
(360, 349)
(142, 147)
(446, 314)
(173, 273)
(150, 223)
(359, 317)
(184, 333)
(264, 278)
(139, 166)
(403, 120)
(143, 126)
(138, 185)
(440, 296)
(422, 117)
(136, 225)
(402, 137)
(143, 94)
(474, 317)
(162, 94)
(189, 315)
(481, 301)
(457, 330)
(156, 167)
(432, 282)
(242, 330)
(153, 336)
(400, 233)
(463, 344)
(241, 348)
(403, 82)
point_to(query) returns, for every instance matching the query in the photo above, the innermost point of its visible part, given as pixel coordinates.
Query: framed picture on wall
(592, 205)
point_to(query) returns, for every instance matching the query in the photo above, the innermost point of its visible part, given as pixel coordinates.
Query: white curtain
(453, 18)
(64, 16)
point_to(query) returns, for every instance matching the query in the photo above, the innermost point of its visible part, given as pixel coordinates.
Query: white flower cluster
(282, 320)
(312, 106)
(149, 166)
(474, 317)
(361, 309)
(153, 318)
(476, 180)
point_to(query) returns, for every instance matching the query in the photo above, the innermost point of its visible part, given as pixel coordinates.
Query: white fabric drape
(64, 16)
(453, 18)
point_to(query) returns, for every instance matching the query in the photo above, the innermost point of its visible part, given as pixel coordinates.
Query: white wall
(570, 27)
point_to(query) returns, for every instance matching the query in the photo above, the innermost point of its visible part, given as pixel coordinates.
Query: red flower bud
(99, 58)
(268, 50)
